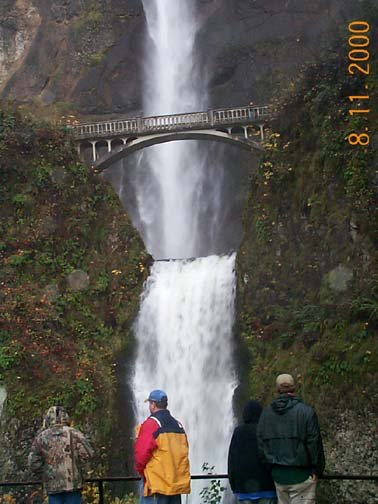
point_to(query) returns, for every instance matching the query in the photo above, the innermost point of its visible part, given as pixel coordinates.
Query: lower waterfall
(184, 335)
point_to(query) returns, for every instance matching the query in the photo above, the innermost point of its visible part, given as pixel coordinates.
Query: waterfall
(184, 326)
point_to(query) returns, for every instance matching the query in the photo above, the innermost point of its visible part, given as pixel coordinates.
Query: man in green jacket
(290, 442)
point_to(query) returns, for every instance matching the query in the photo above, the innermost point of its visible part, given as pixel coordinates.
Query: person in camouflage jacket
(60, 453)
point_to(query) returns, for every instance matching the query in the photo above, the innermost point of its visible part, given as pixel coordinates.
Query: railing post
(100, 492)
(262, 132)
(211, 117)
(140, 124)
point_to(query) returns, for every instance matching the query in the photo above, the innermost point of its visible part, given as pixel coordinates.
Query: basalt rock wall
(86, 56)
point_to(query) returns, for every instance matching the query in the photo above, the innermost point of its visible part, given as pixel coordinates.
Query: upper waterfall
(177, 193)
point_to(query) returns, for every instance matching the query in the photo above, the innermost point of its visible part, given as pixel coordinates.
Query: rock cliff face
(73, 54)
(252, 47)
(20, 22)
(85, 56)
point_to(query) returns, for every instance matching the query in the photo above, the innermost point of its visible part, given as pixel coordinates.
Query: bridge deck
(176, 122)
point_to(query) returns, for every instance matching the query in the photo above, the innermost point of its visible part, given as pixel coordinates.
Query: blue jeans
(65, 498)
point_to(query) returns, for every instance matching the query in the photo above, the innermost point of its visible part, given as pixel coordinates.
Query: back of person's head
(285, 384)
(252, 411)
(159, 398)
(56, 415)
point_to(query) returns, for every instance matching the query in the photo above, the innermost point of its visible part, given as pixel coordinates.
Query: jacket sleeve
(315, 445)
(35, 459)
(145, 444)
(84, 448)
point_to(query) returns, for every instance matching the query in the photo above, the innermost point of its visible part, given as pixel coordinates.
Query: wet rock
(3, 396)
(19, 25)
(78, 280)
(58, 176)
(339, 278)
(50, 293)
(48, 225)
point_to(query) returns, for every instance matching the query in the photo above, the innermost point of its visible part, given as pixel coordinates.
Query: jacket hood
(252, 411)
(284, 403)
(56, 415)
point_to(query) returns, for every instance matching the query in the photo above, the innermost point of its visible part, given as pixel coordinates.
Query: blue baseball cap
(157, 396)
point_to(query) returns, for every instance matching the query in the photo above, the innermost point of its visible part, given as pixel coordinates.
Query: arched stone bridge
(110, 141)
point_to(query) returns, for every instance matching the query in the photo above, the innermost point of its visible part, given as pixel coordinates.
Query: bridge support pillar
(109, 145)
(245, 128)
(94, 155)
(262, 132)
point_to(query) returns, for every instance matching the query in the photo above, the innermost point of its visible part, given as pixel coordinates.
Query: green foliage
(89, 20)
(20, 259)
(211, 494)
(366, 307)
(42, 176)
(261, 229)
(96, 58)
(9, 353)
(103, 282)
(62, 350)
(309, 318)
(87, 398)
(19, 199)
(332, 369)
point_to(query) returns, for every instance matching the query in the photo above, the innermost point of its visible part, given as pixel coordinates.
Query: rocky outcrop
(75, 55)
(19, 24)
(87, 56)
(254, 47)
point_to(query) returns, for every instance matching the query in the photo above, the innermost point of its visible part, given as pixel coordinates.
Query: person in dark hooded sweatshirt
(289, 439)
(249, 478)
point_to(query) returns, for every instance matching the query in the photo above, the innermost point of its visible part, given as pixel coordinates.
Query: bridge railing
(167, 123)
(99, 482)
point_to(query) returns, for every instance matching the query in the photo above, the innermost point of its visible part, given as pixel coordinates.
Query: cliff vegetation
(72, 268)
(307, 267)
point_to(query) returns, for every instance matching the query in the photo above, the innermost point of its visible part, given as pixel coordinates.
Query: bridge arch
(117, 144)
(238, 130)
(137, 144)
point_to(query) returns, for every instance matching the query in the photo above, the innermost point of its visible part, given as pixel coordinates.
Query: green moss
(89, 20)
(96, 58)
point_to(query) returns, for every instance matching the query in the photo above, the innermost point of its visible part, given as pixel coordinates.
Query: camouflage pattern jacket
(60, 453)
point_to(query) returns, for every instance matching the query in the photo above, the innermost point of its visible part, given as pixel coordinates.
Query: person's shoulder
(239, 428)
(267, 409)
(75, 432)
(151, 421)
(46, 435)
(306, 408)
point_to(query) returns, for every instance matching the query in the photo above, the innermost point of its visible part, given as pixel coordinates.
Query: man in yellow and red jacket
(161, 453)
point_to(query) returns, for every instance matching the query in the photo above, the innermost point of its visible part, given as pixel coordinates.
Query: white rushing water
(184, 327)
(175, 198)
